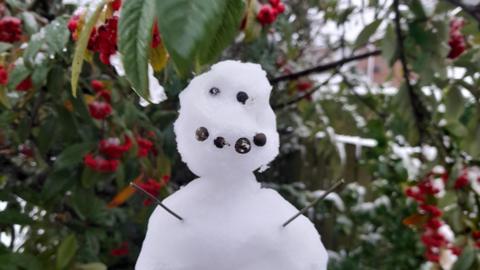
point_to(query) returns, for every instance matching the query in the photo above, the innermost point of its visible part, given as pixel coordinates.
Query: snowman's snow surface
(230, 222)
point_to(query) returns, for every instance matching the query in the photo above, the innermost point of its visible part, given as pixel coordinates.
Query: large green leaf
(135, 28)
(227, 26)
(81, 46)
(67, 249)
(188, 27)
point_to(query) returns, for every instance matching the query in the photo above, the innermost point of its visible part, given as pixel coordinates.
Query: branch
(324, 67)
(473, 11)
(417, 106)
(304, 95)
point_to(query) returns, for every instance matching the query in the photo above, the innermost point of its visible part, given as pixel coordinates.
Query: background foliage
(72, 135)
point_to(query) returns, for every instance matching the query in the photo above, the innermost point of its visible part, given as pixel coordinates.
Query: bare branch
(324, 67)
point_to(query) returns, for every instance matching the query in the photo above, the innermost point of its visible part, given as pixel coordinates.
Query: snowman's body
(231, 223)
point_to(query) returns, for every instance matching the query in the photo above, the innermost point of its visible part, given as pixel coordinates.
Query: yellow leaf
(124, 194)
(81, 46)
(159, 57)
(415, 220)
(88, 98)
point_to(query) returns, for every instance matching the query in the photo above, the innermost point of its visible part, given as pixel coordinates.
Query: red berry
(152, 187)
(3, 76)
(280, 8)
(112, 147)
(122, 250)
(274, 3)
(266, 15)
(461, 181)
(97, 85)
(156, 40)
(144, 146)
(10, 29)
(24, 85)
(457, 41)
(116, 4)
(100, 164)
(476, 235)
(99, 109)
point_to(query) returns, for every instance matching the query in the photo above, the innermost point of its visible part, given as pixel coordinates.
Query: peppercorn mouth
(242, 145)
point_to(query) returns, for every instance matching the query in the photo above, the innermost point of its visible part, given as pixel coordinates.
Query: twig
(312, 204)
(324, 67)
(156, 200)
(304, 95)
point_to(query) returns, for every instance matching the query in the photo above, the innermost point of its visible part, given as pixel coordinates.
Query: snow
(333, 197)
(447, 233)
(156, 90)
(447, 259)
(230, 222)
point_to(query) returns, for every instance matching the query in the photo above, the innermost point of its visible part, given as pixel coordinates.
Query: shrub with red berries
(10, 29)
(457, 40)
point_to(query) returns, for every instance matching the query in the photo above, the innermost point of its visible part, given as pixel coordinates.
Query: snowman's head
(225, 124)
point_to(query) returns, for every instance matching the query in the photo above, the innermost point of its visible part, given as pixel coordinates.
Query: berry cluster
(268, 13)
(103, 39)
(469, 176)
(10, 29)
(153, 187)
(437, 236)
(100, 108)
(457, 40)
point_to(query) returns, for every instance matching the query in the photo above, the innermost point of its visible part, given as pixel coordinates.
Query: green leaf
(35, 44)
(81, 46)
(5, 46)
(188, 26)
(57, 36)
(454, 103)
(72, 155)
(224, 33)
(366, 33)
(66, 251)
(4, 99)
(465, 261)
(135, 28)
(29, 22)
(8, 217)
(389, 44)
(91, 266)
(19, 73)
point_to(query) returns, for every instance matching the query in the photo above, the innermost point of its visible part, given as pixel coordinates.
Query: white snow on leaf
(446, 232)
(157, 92)
(411, 164)
(473, 175)
(447, 259)
(116, 62)
(440, 185)
(333, 197)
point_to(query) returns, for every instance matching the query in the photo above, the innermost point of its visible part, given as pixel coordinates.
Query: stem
(156, 200)
(312, 204)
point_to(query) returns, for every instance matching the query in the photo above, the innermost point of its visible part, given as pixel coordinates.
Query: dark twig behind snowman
(226, 129)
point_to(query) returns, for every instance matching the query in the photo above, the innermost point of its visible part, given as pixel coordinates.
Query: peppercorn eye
(214, 91)
(242, 97)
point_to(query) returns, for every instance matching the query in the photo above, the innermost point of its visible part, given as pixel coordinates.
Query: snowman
(226, 129)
